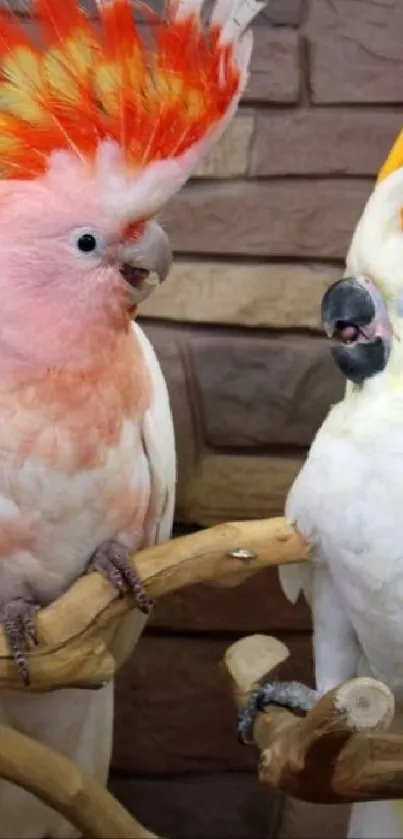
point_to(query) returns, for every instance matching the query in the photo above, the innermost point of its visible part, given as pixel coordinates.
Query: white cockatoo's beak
(355, 317)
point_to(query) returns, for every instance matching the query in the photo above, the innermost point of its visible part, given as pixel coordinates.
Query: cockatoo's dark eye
(87, 243)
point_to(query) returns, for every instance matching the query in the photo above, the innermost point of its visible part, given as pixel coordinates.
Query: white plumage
(348, 500)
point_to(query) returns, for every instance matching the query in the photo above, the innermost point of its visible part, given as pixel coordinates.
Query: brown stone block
(174, 713)
(229, 805)
(258, 390)
(281, 13)
(323, 141)
(230, 157)
(355, 51)
(227, 487)
(258, 605)
(278, 295)
(275, 66)
(241, 391)
(301, 820)
(277, 219)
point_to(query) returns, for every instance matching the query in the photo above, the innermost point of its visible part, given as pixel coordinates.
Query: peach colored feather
(69, 419)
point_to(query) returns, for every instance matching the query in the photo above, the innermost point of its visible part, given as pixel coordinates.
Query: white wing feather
(297, 578)
(159, 446)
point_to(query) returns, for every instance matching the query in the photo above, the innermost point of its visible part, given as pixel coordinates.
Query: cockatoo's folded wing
(159, 448)
(297, 578)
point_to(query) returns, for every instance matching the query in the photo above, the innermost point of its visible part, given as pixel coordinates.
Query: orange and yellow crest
(79, 82)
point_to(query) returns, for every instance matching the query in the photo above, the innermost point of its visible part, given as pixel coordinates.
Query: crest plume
(394, 159)
(162, 98)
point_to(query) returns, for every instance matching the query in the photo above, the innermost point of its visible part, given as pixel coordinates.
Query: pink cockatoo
(97, 131)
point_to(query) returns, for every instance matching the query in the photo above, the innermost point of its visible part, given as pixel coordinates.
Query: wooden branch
(81, 638)
(339, 752)
(60, 784)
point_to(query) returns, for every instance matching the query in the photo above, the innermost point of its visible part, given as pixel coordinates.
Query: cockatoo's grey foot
(18, 618)
(112, 560)
(292, 695)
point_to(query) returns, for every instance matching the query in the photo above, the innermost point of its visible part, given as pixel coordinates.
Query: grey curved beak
(146, 263)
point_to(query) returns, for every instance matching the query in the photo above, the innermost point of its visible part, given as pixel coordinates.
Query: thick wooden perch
(63, 786)
(80, 644)
(339, 752)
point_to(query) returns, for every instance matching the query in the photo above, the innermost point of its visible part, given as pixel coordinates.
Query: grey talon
(292, 695)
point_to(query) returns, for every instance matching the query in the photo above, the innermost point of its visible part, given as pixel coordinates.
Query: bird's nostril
(132, 274)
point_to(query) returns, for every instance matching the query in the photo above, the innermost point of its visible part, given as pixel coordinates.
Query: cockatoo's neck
(390, 380)
(60, 345)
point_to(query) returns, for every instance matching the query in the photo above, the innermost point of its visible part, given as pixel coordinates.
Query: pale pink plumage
(86, 438)
(73, 386)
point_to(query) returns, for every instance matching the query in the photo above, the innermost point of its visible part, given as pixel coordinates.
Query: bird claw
(291, 695)
(112, 560)
(19, 624)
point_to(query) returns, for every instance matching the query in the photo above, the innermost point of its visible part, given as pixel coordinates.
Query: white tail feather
(243, 54)
(223, 10)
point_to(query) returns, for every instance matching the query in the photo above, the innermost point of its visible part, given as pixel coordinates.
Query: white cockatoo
(348, 497)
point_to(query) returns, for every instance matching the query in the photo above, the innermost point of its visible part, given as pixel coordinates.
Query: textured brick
(247, 391)
(263, 391)
(272, 295)
(324, 141)
(258, 605)
(227, 487)
(275, 66)
(279, 218)
(355, 50)
(281, 13)
(230, 157)
(301, 820)
(173, 700)
(214, 806)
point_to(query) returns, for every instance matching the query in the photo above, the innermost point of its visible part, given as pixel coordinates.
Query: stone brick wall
(258, 236)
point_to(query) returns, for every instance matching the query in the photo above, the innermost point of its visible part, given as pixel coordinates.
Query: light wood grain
(340, 752)
(81, 638)
(60, 784)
